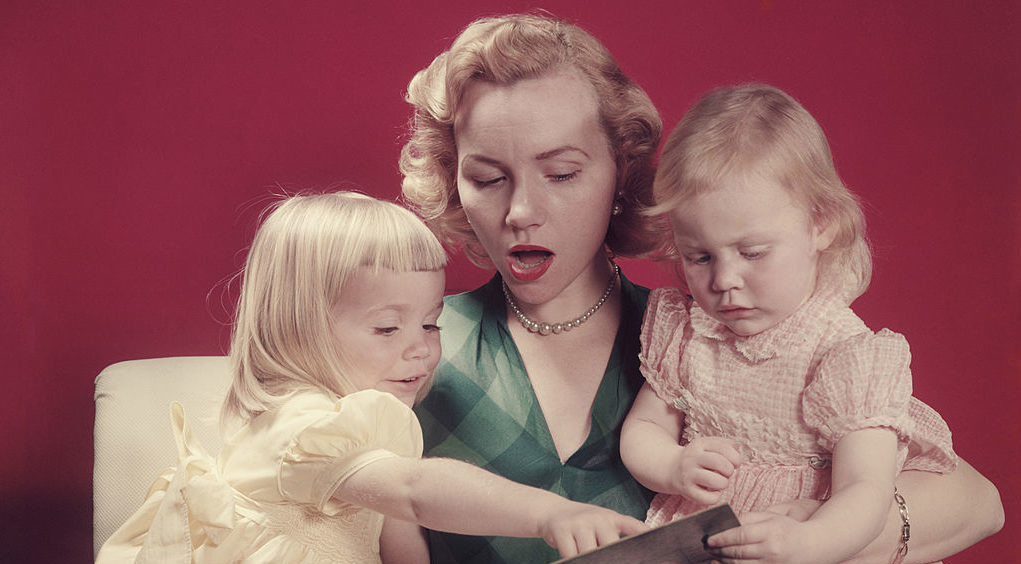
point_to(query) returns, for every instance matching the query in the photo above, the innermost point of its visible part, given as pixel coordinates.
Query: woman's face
(536, 177)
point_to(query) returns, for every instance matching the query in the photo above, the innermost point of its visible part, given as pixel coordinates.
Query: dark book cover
(678, 542)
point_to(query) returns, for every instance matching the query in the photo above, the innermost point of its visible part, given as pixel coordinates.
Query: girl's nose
(526, 208)
(419, 347)
(726, 276)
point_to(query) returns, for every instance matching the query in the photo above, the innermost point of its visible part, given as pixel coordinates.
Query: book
(680, 541)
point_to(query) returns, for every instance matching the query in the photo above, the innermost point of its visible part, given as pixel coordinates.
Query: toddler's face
(385, 326)
(748, 252)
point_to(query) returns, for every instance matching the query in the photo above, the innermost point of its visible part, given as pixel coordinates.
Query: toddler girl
(762, 386)
(335, 338)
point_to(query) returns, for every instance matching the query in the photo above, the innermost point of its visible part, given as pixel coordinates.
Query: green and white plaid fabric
(482, 409)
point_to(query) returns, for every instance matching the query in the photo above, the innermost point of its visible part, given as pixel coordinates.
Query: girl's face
(748, 252)
(385, 327)
(536, 178)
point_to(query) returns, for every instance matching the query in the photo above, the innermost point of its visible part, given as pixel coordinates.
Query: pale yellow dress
(268, 496)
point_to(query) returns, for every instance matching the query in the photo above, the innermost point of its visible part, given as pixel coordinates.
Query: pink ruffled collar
(785, 337)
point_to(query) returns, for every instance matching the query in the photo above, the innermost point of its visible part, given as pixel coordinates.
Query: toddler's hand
(768, 538)
(704, 468)
(574, 528)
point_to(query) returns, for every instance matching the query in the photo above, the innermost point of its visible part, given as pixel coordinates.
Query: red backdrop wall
(138, 141)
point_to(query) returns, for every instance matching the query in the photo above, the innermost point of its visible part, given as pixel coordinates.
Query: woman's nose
(527, 208)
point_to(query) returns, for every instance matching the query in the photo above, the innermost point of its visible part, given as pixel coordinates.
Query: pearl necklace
(554, 328)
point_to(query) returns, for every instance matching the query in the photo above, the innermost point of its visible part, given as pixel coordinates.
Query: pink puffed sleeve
(663, 334)
(931, 447)
(863, 382)
(363, 427)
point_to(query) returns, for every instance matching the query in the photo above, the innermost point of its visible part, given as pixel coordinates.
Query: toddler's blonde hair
(758, 131)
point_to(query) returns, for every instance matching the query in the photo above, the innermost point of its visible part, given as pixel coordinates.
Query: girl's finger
(726, 448)
(586, 540)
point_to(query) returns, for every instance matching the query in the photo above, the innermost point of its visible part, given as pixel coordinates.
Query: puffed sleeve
(862, 382)
(363, 427)
(663, 329)
(931, 447)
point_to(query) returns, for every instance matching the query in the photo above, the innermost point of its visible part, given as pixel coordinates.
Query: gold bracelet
(905, 529)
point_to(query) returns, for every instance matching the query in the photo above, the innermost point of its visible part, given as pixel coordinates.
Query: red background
(138, 141)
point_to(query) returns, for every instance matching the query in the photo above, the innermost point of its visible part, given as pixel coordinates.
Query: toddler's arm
(454, 496)
(403, 542)
(649, 448)
(864, 467)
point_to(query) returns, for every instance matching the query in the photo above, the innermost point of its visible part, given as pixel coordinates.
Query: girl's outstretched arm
(454, 496)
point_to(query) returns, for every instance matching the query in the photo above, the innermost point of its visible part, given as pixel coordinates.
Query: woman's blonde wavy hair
(503, 50)
(759, 130)
(303, 254)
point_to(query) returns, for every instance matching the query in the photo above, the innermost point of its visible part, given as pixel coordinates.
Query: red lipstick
(529, 262)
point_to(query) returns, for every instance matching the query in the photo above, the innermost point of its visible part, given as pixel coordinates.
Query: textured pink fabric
(786, 395)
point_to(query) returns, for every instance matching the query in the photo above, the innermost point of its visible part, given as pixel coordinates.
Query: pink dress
(786, 395)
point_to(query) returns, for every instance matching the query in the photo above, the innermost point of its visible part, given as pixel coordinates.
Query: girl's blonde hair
(758, 131)
(503, 50)
(303, 254)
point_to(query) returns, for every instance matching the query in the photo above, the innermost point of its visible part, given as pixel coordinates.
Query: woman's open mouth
(528, 263)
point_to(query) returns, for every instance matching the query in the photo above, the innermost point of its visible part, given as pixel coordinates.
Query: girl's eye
(563, 177)
(753, 254)
(386, 331)
(698, 259)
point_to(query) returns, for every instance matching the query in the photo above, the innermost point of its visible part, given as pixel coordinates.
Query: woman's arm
(948, 513)
(454, 496)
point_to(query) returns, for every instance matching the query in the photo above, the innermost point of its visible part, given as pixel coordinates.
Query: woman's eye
(431, 328)
(386, 331)
(484, 182)
(698, 259)
(752, 255)
(563, 177)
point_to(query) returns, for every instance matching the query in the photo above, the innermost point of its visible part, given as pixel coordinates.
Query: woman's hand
(573, 528)
(703, 467)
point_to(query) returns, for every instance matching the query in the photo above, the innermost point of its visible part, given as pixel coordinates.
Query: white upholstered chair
(133, 439)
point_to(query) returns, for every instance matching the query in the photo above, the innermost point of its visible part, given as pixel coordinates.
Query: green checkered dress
(482, 409)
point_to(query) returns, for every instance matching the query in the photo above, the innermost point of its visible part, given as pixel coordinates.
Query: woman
(533, 151)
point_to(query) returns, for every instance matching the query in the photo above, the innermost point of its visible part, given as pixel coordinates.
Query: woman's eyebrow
(559, 151)
(480, 159)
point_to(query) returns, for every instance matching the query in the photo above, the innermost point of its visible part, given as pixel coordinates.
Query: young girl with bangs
(336, 337)
(762, 385)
